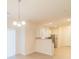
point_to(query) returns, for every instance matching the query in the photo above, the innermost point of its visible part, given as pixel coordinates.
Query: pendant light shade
(19, 25)
(14, 23)
(23, 22)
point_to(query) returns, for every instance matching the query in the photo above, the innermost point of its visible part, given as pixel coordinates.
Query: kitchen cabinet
(45, 46)
(43, 32)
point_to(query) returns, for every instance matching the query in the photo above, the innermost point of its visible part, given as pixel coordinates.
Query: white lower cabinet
(45, 46)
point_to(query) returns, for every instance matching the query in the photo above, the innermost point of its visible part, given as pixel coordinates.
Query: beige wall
(30, 38)
(20, 41)
(25, 39)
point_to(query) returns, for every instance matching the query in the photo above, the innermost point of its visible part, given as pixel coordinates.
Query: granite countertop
(43, 38)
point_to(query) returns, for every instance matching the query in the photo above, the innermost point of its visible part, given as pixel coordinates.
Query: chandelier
(19, 22)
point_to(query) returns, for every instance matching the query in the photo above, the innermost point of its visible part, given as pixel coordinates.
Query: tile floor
(60, 53)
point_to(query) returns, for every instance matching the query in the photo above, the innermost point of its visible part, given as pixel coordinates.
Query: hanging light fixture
(19, 23)
(14, 23)
(23, 23)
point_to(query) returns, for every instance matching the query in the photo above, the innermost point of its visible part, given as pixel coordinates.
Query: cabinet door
(43, 32)
(65, 36)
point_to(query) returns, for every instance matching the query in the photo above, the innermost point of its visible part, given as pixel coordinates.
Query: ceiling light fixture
(19, 23)
(14, 23)
(23, 22)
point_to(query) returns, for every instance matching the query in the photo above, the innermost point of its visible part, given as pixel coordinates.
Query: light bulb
(14, 23)
(19, 25)
(23, 23)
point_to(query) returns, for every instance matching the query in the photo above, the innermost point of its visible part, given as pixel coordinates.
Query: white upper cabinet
(43, 32)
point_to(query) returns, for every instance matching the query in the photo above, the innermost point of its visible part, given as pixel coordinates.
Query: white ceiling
(40, 10)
